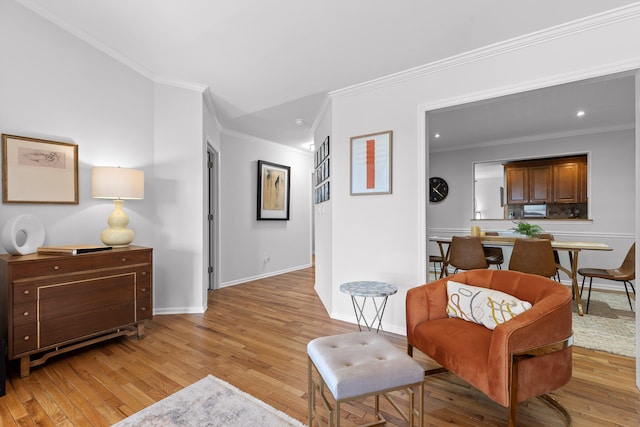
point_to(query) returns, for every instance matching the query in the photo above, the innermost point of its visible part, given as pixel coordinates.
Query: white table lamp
(118, 184)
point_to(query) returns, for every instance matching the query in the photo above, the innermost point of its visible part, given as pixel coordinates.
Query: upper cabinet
(556, 180)
(529, 184)
(570, 182)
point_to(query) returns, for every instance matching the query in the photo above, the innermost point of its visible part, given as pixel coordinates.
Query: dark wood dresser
(52, 304)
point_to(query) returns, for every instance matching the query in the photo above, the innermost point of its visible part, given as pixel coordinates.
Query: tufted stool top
(361, 363)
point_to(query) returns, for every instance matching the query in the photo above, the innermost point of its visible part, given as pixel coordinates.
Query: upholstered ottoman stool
(358, 365)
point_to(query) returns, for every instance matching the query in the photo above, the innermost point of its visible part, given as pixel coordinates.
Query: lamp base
(117, 235)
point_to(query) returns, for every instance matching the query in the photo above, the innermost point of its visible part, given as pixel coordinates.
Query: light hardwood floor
(254, 336)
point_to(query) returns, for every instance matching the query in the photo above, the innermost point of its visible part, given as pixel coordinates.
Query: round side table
(369, 290)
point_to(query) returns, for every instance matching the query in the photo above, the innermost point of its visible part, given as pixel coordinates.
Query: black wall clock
(438, 189)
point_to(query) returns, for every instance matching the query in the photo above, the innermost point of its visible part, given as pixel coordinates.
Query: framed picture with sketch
(274, 183)
(39, 171)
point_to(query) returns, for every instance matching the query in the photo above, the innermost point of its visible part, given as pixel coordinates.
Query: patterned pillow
(484, 306)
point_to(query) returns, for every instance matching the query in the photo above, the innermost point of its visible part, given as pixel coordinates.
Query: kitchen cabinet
(529, 184)
(556, 180)
(52, 304)
(569, 182)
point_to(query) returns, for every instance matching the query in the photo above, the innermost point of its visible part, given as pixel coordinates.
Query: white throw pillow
(484, 306)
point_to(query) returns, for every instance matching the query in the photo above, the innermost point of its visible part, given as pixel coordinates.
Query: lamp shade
(117, 183)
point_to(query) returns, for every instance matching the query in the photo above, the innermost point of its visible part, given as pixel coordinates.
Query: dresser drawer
(143, 309)
(24, 314)
(25, 338)
(143, 290)
(50, 266)
(117, 259)
(24, 293)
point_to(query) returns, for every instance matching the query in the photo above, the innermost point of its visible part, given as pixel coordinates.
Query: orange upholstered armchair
(526, 356)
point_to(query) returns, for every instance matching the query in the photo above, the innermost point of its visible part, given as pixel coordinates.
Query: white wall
(246, 242)
(383, 237)
(179, 219)
(56, 87)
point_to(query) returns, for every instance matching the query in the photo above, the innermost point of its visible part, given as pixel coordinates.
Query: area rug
(609, 326)
(210, 402)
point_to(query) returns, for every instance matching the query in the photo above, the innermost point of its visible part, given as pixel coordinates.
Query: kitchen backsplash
(557, 211)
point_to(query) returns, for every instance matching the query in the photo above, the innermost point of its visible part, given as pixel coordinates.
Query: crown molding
(610, 17)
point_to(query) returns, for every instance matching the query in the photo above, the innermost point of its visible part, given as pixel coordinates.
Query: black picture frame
(274, 186)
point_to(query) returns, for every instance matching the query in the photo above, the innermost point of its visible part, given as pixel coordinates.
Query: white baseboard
(179, 310)
(264, 276)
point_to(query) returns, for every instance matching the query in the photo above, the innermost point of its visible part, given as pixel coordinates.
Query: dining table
(572, 248)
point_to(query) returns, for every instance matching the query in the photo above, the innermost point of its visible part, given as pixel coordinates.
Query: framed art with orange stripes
(371, 163)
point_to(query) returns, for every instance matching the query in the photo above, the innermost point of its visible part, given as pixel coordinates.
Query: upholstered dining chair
(549, 236)
(525, 355)
(466, 253)
(493, 254)
(625, 273)
(533, 256)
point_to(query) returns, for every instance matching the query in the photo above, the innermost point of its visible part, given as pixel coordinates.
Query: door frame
(212, 241)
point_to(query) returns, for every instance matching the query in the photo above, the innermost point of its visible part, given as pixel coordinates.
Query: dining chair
(493, 254)
(533, 256)
(625, 273)
(549, 236)
(466, 253)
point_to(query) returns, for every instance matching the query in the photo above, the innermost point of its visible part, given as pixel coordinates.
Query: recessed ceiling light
(299, 122)
(437, 135)
(580, 113)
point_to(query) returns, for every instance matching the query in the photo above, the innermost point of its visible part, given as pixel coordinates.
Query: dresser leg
(25, 366)
(140, 327)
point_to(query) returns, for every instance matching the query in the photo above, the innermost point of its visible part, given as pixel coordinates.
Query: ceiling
(268, 63)
(608, 103)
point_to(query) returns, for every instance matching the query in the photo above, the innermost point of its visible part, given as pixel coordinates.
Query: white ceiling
(268, 63)
(608, 104)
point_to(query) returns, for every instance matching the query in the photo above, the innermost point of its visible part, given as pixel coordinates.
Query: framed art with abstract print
(39, 171)
(274, 183)
(371, 163)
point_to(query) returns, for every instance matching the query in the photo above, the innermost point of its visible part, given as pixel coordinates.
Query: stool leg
(311, 392)
(336, 414)
(412, 395)
(421, 407)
